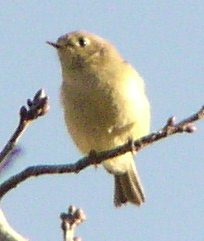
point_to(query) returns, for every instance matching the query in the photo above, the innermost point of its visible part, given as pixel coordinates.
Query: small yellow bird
(104, 105)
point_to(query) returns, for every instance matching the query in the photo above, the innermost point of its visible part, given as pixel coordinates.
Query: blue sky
(164, 41)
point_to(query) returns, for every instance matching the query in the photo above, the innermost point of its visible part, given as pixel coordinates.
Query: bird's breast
(102, 115)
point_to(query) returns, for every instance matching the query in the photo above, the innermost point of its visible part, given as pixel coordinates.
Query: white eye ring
(83, 42)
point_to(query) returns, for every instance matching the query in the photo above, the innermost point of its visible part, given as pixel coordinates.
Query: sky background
(164, 40)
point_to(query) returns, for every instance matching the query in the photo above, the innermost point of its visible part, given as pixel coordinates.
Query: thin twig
(70, 221)
(170, 128)
(36, 108)
(11, 157)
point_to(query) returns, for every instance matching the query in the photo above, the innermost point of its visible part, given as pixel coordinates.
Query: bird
(105, 105)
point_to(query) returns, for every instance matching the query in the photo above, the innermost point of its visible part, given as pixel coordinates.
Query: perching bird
(104, 105)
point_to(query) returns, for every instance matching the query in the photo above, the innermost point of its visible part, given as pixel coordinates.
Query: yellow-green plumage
(104, 105)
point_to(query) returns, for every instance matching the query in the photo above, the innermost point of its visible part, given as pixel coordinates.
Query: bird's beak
(55, 45)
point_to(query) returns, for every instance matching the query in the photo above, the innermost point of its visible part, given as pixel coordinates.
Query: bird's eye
(82, 42)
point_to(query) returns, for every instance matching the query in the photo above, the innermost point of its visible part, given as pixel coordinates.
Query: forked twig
(36, 108)
(70, 221)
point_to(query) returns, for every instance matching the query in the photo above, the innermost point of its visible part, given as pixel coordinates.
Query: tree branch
(70, 221)
(170, 128)
(7, 233)
(36, 108)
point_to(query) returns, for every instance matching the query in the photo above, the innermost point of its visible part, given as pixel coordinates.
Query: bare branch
(70, 221)
(36, 108)
(11, 157)
(170, 128)
(7, 233)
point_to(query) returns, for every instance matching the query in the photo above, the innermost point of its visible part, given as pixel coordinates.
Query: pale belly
(100, 120)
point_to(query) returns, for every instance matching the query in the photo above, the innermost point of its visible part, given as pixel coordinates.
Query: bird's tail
(128, 187)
